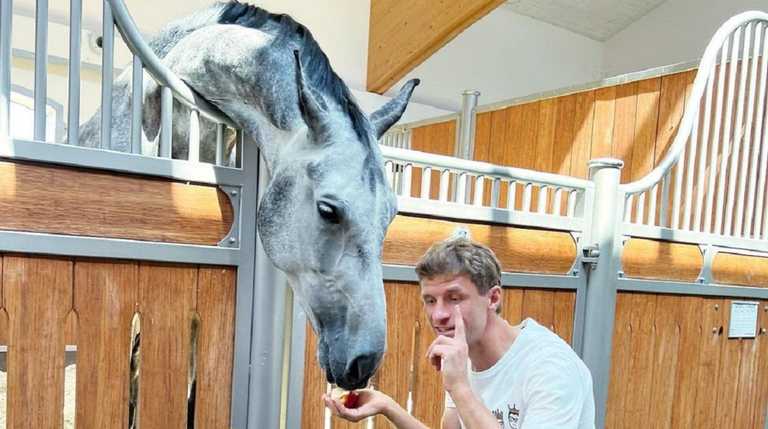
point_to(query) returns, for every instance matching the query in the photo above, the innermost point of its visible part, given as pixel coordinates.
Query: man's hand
(450, 355)
(369, 403)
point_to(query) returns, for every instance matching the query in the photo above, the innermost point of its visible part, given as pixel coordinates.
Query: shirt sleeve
(555, 395)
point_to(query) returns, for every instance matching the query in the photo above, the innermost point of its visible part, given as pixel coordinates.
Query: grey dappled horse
(327, 207)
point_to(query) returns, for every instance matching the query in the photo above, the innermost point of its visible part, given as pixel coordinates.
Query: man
(494, 374)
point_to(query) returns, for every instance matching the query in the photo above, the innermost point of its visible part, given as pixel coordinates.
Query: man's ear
(495, 297)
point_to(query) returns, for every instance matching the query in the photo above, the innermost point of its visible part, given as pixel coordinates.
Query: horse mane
(315, 65)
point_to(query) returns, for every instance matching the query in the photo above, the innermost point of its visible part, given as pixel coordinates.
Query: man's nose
(441, 313)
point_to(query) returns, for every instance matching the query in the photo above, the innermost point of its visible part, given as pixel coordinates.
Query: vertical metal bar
(107, 71)
(731, 222)
(407, 179)
(479, 190)
(628, 208)
(466, 142)
(664, 202)
(220, 144)
(601, 285)
(762, 138)
(732, 70)
(495, 192)
(426, 185)
(73, 93)
(692, 151)
(703, 153)
(708, 226)
(389, 167)
(543, 197)
(461, 188)
(194, 136)
(557, 206)
(674, 224)
(512, 195)
(41, 68)
(652, 205)
(640, 214)
(745, 229)
(6, 19)
(445, 176)
(527, 191)
(573, 196)
(166, 122)
(137, 94)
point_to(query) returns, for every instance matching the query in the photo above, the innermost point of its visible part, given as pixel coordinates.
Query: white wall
(506, 55)
(676, 31)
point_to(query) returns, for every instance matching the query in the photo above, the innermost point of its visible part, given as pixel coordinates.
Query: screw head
(232, 240)
(762, 331)
(714, 330)
(717, 306)
(233, 192)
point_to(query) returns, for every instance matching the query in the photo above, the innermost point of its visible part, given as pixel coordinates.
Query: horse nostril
(362, 367)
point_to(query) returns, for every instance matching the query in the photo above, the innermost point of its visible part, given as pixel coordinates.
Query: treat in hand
(347, 398)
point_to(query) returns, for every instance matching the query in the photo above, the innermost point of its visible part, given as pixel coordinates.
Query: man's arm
(473, 412)
(373, 402)
(451, 419)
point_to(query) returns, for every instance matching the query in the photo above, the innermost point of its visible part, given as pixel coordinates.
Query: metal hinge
(590, 254)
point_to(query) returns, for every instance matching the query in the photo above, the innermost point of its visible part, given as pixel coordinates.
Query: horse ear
(391, 112)
(311, 111)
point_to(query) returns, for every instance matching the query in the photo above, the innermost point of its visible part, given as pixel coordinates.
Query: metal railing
(712, 181)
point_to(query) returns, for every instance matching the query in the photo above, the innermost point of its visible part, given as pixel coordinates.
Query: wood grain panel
(496, 153)
(713, 320)
(166, 303)
(687, 374)
(403, 34)
(728, 385)
(582, 133)
(312, 408)
(652, 259)
(761, 399)
(665, 360)
(645, 127)
(604, 122)
(518, 249)
(512, 305)
(78, 202)
(428, 394)
(216, 289)
(539, 305)
(564, 311)
(744, 270)
(38, 297)
(3, 314)
(439, 138)
(105, 301)
(637, 403)
(625, 115)
(620, 363)
(545, 142)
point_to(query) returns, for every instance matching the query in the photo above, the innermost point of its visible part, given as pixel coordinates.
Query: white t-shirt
(538, 383)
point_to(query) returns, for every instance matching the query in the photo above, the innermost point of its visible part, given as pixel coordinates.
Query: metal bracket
(590, 255)
(575, 268)
(232, 239)
(708, 252)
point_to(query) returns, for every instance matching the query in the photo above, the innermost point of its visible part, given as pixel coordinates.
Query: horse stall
(649, 260)
(134, 291)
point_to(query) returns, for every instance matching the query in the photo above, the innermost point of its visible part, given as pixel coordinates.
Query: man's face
(442, 293)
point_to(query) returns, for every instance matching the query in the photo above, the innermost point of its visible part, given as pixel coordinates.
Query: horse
(327, 206)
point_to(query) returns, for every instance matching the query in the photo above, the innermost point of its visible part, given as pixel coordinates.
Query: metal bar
(601, 286)
(664, 203)
(107, 66)
(732, 223)
(692, 150)
(194, 136)
(512, 196)
(78, 156)
(166, 125)
(697, 289)
(444, 181)
(741, 225)
(73, 93)
(389, 168)
(220, 144)
(41, 69)
(703, 153)
(503, 216)
(495, 192)
(675, 221)
(137, 94)
(6, 19)
(527, 191)
(572, 200)
(406, 180)
(479, 190)
(296, 364)
(543, 198)
(557, 206)
(628, 207)
(652, 206)
(407, 273)
(579, 313)
(96, 247)
(426, 185)
(666, 234)
(721, 191)
(713, 176)
(764, 141)
(461, 188)
(466, 141)
(640, 214)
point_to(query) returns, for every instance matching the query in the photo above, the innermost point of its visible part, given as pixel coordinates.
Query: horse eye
(329, 213)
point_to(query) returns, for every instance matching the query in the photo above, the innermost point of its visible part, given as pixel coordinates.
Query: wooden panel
(439, 138)
(761, 398)
(651, 259)
(312, 408)
(564, 310)
(3, 313)
(728, 384)
(79, 202)
(645, 127)
(620, 363)
(105, 301)
(512, 305)
(714, 319)
(405, 312)
(637, 401)
(602, 130)
(166, 304)
(686, 377)
(518, 249)
(38, 297)
(402, 34)
(539, 304)
(582, 133)
(215, 348)
(729, 268)
(624, 127)
(671, 103)
(665, 360)
(428, 394)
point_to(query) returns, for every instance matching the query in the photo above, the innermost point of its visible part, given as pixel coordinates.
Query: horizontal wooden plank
(61, 200)
(651, 259)
(518, 249)
(743, 270)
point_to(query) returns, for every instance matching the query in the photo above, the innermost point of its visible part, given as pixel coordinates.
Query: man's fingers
(458, 330)
(440, 340)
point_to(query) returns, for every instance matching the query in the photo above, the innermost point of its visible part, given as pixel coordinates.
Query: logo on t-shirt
(499, 417)
(513, 416)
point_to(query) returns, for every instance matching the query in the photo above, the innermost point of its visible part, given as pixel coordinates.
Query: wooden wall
(408, 337)
(674, 366)
(48, 303)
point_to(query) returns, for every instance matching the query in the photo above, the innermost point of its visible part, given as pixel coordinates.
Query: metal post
(601, 283)
(465, 137)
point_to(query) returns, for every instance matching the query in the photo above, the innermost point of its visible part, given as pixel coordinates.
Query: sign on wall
(743, 322)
